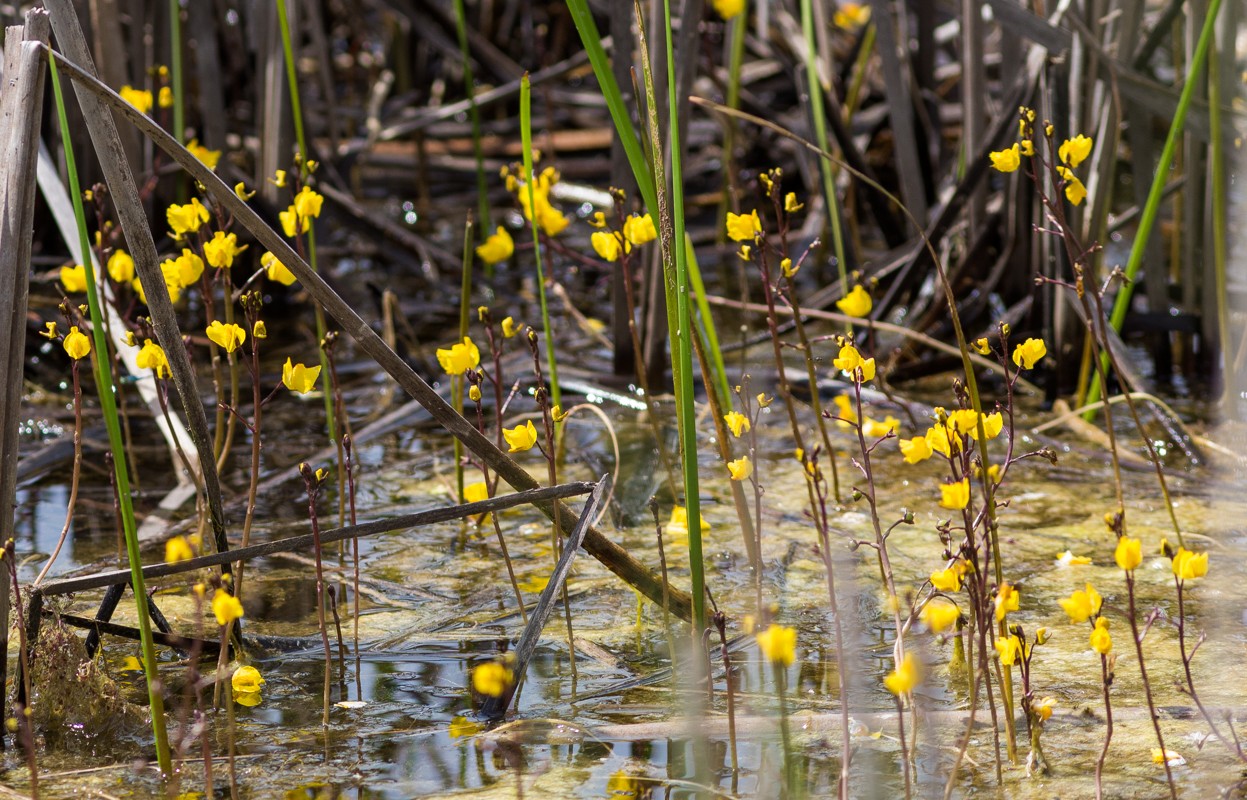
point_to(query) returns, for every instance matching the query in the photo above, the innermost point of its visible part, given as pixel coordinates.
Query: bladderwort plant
(1048, 164)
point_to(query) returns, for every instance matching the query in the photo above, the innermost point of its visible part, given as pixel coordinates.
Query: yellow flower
(246, 679)
(208, 157)
(1075, 192)
(1007, 599)
(461, 726)
(982, 347)
(728, 8)
(178, 549)
(963, 420)
(877, 429)
(139, 98)
(1173, 758)
(1029, 353)
(1188, 565)
(1101, 640)
(76, 344)
(904, 678)
(1074, 151)
(497, 247)
(74, 278)
(955, 496)
(1006, 160)
(222, 249)
(939, 617)
(1044, 708)
(736, 422)
(1082, 604)
(778, 644)
(459, 357)
(476, 492)
(259, 330)
(1129, 553)
(299, 377)
(598, 220)
(492, 679)
(474, 394)
(856, 303)
(852, 16)
(942, 440)
(291, 225)
(181, 272)
(947, 580)
(152, 357)
(240, 191)
(1009, 648)
(678, 524)
(275, 270)
(510, 327)
(186, 218)
(121, 266)
(850, 361)
(521, 437)
(307, 204)
(790, 203)
(788, 269)
(1068, 559)
(740, 469)
(551, 220)
(993, 424)
(226, 607)
(915, 449)
(279, 179)
(164, 98)
(745, 252)
(640, 230)
(621, 785)
(1028, 147)
(607, 245)
(743, 227)
(228, 337)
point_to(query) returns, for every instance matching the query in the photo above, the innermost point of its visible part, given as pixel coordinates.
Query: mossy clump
(74, 702)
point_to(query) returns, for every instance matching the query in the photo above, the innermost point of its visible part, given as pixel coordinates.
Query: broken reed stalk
(21, 105)
(106, 391)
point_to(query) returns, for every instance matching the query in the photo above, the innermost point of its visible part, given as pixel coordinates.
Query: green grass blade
(592, 41)
(1150, 209)
(530, 178)
(819, 115)
(474, 113)
(108, 405)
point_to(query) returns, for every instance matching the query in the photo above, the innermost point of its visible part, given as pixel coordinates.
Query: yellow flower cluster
(850, 361)
(549, 218)
(1071, 153)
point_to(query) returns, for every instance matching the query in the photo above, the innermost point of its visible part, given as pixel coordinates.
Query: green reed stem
(175, 70)
(526, 137)
(296, 110)
(582, 17)
(819, 115)
(675, 267)
(1219, 233)
(1151, 208)
(474, 113)
(458, 381)
(104, 381)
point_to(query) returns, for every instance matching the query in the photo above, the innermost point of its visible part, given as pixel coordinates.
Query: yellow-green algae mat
(436, 600)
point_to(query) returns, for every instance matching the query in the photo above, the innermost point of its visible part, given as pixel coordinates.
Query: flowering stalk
(305, 169)
(78, 340)
(312, 481)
